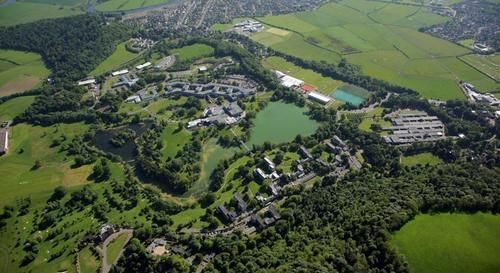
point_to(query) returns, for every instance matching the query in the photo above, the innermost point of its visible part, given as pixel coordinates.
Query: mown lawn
(119, 57)
(89, 263)
(192, 52)
(115, 246)
(13, 107)
(20, 71)
(173, 139)
(423, 159)
(458, 243)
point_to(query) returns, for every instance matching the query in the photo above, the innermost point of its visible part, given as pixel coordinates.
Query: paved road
(105, 266)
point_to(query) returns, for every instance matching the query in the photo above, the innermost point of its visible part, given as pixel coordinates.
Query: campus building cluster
(415, 126)
(212, 90)
(226, 114)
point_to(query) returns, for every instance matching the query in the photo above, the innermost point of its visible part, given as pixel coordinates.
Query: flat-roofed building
(4, 141)
(144, 65)
(315, 96)
(86, 82)
(119, 72)
(416, 126)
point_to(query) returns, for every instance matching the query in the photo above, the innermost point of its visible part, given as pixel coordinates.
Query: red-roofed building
(308, 88)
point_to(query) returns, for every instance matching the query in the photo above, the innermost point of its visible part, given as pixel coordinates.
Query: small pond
(126, 151)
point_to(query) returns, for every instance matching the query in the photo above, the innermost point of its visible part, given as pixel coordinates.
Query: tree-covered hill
(70, 47)
(345, 227)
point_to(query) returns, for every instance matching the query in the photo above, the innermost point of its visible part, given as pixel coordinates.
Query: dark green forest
(70, 47)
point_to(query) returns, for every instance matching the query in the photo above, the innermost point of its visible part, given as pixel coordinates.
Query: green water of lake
(280, 122)
(212, 154)
(347, 97)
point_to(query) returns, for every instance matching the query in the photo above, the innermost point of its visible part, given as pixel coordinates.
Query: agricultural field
(489, 65)
(192, 52)
(26, 12)
(20, 71)
(325, 85)
(422, 159)
(273, 124)
(124, 5)
(382, 38)
(13, 107)
(119, 57)
(459, 243)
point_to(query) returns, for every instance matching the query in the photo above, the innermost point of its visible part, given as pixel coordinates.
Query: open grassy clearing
(115, 246)
(123, 5)
(89, 263)
(26, 12)
(325, 84)
(13, 107)
(422, 159)
(173, 139)
(119, 57)
(224, 27)
(31, 143)
(192, 52)
(20, 71)
(382, 38)
(451, 243)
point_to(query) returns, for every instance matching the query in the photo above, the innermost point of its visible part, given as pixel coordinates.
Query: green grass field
(325, 84)
(20, 71)
(124, 5)
(115, 246)
(89, 263)
(382, 38)
(173, 140)
(119, 57)
(423, 159)
(192, 52)
(489, 65)
(457, 243)
(13, 107)
(31, 143)
(26, 12)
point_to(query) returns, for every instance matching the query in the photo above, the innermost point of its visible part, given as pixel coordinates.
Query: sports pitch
(382, 38)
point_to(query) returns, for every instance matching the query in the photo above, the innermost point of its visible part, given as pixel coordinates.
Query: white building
(4, 141)
(318, 97)
(86, 82)
(288, 81)
(142, 66)
(119, 72)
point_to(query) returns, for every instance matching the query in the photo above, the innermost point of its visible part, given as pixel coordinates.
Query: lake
(281, 122)
(126, 151)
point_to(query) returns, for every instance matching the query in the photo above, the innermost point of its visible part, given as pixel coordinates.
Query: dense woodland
(70, 47)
